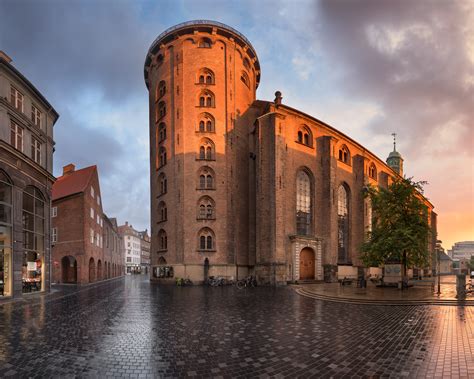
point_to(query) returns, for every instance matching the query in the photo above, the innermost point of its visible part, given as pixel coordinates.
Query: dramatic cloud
(368, 68)
(415, 61)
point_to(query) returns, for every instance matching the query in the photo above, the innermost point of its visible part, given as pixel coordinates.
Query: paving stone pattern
(131, 328)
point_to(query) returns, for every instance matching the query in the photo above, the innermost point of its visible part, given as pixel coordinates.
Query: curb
(346, 300)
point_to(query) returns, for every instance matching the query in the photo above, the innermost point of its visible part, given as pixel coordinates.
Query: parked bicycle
(249, 281)
(216, 281)
(181, 282)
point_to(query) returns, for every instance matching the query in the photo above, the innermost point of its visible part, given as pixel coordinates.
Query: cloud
(416, 62)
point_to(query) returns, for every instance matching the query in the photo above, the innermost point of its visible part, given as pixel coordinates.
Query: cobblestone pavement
(131, 328)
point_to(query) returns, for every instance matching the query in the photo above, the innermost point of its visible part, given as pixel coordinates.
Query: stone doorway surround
(298, 243)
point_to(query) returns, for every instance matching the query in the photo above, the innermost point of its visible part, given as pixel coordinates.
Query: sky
(368, 68)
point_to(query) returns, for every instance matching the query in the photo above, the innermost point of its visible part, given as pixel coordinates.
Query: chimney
(126, 223)
(278, 98)
(4, 56)
(69, 169)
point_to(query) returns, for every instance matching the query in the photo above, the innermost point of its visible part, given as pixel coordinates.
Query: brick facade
(87, 247)
(258, 150)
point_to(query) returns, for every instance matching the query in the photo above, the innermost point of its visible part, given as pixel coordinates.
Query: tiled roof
(72, 183)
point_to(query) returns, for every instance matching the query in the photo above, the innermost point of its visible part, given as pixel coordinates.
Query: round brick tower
(202, 78)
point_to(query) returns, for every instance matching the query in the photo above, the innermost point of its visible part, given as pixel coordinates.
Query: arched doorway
(99, 270)
(69, 269)
(307, 265)
(91, 270)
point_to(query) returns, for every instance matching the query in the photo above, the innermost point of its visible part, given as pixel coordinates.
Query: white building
(462, 250)
(132, 247)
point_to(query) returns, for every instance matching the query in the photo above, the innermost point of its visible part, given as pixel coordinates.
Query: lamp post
(439, 273)
(438, 250)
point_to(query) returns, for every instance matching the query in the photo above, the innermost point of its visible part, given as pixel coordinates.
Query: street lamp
(438, 250)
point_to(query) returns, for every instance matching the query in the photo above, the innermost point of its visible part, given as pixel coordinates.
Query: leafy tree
(400, 228)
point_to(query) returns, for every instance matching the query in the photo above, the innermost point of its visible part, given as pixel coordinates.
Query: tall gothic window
(368, 212)
(303, 204)
(343, 224)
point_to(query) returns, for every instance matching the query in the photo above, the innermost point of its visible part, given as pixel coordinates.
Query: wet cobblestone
(131, 328)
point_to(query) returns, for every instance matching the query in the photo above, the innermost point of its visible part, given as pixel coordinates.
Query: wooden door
(307, 264)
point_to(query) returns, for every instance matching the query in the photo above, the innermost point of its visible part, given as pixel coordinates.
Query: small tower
(395, 160)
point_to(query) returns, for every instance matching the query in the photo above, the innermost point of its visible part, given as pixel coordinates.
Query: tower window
(205, 42)
(162, 240)
(206, 239)
(206, 99)
(206, 178)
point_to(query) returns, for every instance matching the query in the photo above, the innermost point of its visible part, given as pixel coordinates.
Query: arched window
(206, 178)
(205, 42)
(373, 171)
(303, 203)
(206, 123)
(305, 136)
(161, 88)
(246, 64)
(6, 225)
(206, 150)
(159, 60)
(162, 159)
(163, 184)
(206, 240)
(368, 214)
(344, 155)
(161, 132)
(205, 209)
(160, 110)
(162, 240)
(33, 239)
(161, 261)
(206, 76)
(206, 99)
(245, 79)
(162, 212)
(343, 224)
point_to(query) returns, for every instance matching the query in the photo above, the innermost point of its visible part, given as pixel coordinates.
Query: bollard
(461, 286)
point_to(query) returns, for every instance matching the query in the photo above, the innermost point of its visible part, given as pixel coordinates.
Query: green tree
(400, 228)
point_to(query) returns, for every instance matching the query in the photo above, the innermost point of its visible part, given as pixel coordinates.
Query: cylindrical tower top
(211, 27)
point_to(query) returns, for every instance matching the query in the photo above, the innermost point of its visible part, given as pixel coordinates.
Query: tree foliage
(400, 227)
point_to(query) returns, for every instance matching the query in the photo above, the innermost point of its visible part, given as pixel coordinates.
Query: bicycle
(215, 281)
(249, 281)
(181, 282)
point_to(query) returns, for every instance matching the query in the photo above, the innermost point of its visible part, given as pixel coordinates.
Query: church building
(241, 186)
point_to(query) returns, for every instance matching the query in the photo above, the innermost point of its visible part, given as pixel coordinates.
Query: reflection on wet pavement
(129, 327)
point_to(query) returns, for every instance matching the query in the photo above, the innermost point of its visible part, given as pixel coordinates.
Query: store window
(5, 236)
(33, 240)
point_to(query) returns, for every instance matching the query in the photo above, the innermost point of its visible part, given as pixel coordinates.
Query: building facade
(461, 253)
(26, 179)
(114, 253)
(145, 245)
(241, 186)
(132, 247)
(79, 229)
